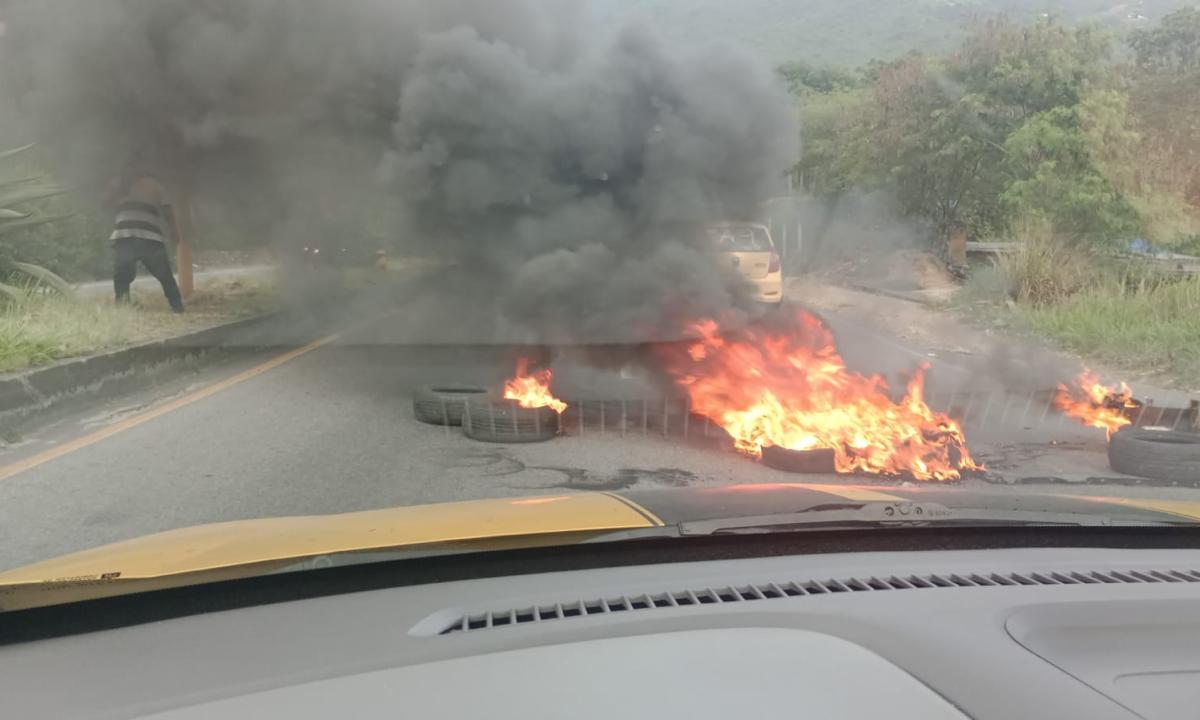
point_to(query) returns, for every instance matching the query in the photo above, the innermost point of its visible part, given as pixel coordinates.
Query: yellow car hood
(251, 547)
(247, 548)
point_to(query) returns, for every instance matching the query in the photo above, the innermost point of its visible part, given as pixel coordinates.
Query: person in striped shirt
(140, 234)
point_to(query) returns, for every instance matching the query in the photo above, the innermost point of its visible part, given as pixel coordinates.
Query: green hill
(852, 32)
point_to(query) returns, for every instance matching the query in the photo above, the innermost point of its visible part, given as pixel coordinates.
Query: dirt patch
(919, 274)
(931, 273)
(915, 322)
(993, 356)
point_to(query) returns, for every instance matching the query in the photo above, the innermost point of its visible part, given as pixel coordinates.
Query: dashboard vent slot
(791, 589)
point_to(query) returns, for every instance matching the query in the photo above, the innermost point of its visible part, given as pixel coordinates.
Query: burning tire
(443, 404)
(817, 460)
(1158, 454)
(507, 422)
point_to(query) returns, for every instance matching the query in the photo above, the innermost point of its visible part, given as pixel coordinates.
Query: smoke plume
(563, 175)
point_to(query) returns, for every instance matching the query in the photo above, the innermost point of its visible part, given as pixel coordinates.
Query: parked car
(748, 248)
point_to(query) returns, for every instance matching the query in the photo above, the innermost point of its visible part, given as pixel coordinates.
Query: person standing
(140, 234)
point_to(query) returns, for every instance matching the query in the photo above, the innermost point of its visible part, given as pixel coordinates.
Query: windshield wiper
(888, 514)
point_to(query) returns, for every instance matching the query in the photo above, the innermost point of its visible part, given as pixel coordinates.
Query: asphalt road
(331, 430)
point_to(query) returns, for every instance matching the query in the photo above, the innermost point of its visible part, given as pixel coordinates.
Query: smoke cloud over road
(563, 174)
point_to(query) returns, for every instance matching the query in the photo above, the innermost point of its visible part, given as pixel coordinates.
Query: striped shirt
(140, 214)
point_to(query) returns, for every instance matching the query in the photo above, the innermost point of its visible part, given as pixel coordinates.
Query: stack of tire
(482, 416)
(1171, 455)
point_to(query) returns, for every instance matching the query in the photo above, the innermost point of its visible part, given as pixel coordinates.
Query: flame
(1095, 404)
(532, 390)
(793, 390)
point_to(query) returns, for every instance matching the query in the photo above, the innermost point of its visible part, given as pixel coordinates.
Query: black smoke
(563, 175)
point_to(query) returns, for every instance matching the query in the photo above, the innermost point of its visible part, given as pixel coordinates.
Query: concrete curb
(67, 384)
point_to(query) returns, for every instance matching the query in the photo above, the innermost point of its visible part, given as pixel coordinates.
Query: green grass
(45, 328)
(1129, 316)
(1152, 328)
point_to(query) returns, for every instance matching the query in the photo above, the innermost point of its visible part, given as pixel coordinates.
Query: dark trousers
(128, 252)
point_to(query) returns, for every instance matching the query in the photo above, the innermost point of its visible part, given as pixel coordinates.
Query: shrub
(20, 191)
(1047, 269)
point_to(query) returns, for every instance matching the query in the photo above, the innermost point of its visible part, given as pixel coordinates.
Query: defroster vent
(772, 591)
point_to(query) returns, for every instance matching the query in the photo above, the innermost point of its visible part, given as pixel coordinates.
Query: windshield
(617, 266)
(739, 238)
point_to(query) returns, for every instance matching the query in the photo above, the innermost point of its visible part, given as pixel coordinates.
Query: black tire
(505, 422)
(443, 404)
(1158, 454)
(817, 460)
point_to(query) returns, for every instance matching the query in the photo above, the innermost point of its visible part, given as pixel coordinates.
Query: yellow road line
(66, 448)
(1189, 509)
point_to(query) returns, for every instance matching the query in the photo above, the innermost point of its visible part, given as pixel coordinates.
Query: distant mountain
(851, 32)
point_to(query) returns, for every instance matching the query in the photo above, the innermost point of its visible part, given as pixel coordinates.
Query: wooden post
(183, 229)
(958, 245)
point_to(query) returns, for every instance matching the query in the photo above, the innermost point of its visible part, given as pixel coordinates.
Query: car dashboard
(1005, 633)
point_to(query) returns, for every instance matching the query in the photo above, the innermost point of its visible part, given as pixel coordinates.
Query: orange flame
(533, 390)
(1095, 404)
(793, 390)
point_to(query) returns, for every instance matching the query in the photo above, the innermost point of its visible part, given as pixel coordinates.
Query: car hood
(246, 548)
(228, 550)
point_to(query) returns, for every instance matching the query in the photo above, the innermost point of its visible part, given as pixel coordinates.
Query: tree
(1164, 90)
(909, 133)
(1153, 177)
(804, 78)
(937, 131)
(837, 152)
(1172, 46)
(1022, 70)
(1057, 181)
(955, 174)
(931, 147)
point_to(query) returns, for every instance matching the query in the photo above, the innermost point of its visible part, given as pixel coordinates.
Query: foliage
(1164, 102)
(1126, 314)
(1019, 122)
(844, 32)
(37, 329)
(1151, 178)
(803, 78)
(1045, 270)
(41, 328)
(1056, 180)
(1174, 45)
(937, 154)
(17, 194)
(837, 153)
(1144, 326)
(1021, 70)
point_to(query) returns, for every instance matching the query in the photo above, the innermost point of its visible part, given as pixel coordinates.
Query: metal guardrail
(980, 247)
(1168, 262)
